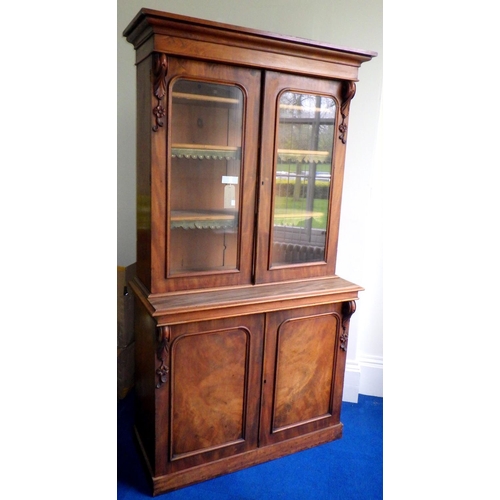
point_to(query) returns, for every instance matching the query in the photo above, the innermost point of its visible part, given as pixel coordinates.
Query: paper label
(229, 196)
(229, 179)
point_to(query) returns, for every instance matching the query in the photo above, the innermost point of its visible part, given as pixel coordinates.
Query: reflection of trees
(304, 120)
(306, 123)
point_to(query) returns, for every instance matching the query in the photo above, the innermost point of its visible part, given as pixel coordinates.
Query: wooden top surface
(155, 17)
(155, 31)
(272, 296)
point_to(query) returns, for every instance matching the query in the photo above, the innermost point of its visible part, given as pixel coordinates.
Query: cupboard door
(303, 372)
(301, 180)
(215, 374)
(211, 174)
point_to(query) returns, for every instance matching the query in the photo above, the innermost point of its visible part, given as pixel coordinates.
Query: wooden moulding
(176, 480)
(190, 306)
(155, 31)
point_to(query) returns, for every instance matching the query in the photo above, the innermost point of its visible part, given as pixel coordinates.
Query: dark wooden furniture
(241, 323)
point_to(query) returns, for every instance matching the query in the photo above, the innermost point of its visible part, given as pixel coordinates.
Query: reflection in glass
(303, 176)
(205, 150)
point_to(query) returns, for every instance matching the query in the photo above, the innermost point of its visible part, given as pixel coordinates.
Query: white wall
(351, 23)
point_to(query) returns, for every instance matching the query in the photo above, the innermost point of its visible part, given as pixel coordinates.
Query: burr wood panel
(304, 369)
(208, 390)
(214, 394)
(301, 372)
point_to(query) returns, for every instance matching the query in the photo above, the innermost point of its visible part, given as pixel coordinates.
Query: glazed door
(301, 179)
(211, 174)
(211, 406)
(303, 372)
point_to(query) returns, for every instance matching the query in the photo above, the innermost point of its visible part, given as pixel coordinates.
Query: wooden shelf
(173, 306)
(205, 152)
(304, 156)
(297, 107)
(206, 98)
(203, 219)
(295, 217)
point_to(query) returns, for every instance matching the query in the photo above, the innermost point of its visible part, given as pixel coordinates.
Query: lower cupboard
(222, 394)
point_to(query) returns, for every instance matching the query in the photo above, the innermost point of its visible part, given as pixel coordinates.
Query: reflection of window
(306, 122)
(303, 174)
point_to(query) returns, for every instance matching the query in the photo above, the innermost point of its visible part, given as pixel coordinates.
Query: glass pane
(205, 176)
(303, 174)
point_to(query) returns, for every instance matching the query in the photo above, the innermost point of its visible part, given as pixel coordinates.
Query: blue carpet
(347, 469)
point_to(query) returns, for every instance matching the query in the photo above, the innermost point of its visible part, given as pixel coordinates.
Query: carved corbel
(162, 354)
(159, 87)
(348, 309)
(348, 92)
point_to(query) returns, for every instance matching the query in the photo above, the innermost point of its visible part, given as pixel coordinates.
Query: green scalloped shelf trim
(295, 218)
(206, 153)
(203, 220)
(298, 156)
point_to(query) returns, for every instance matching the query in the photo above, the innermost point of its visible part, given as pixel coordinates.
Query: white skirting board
(363, 376)
(351, 382)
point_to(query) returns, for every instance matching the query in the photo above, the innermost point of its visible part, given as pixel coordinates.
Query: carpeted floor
(346, 469)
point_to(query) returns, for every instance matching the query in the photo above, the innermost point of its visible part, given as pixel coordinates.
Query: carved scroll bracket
(162, 354)
(348, 92)
(348, 309)
(160, 65)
